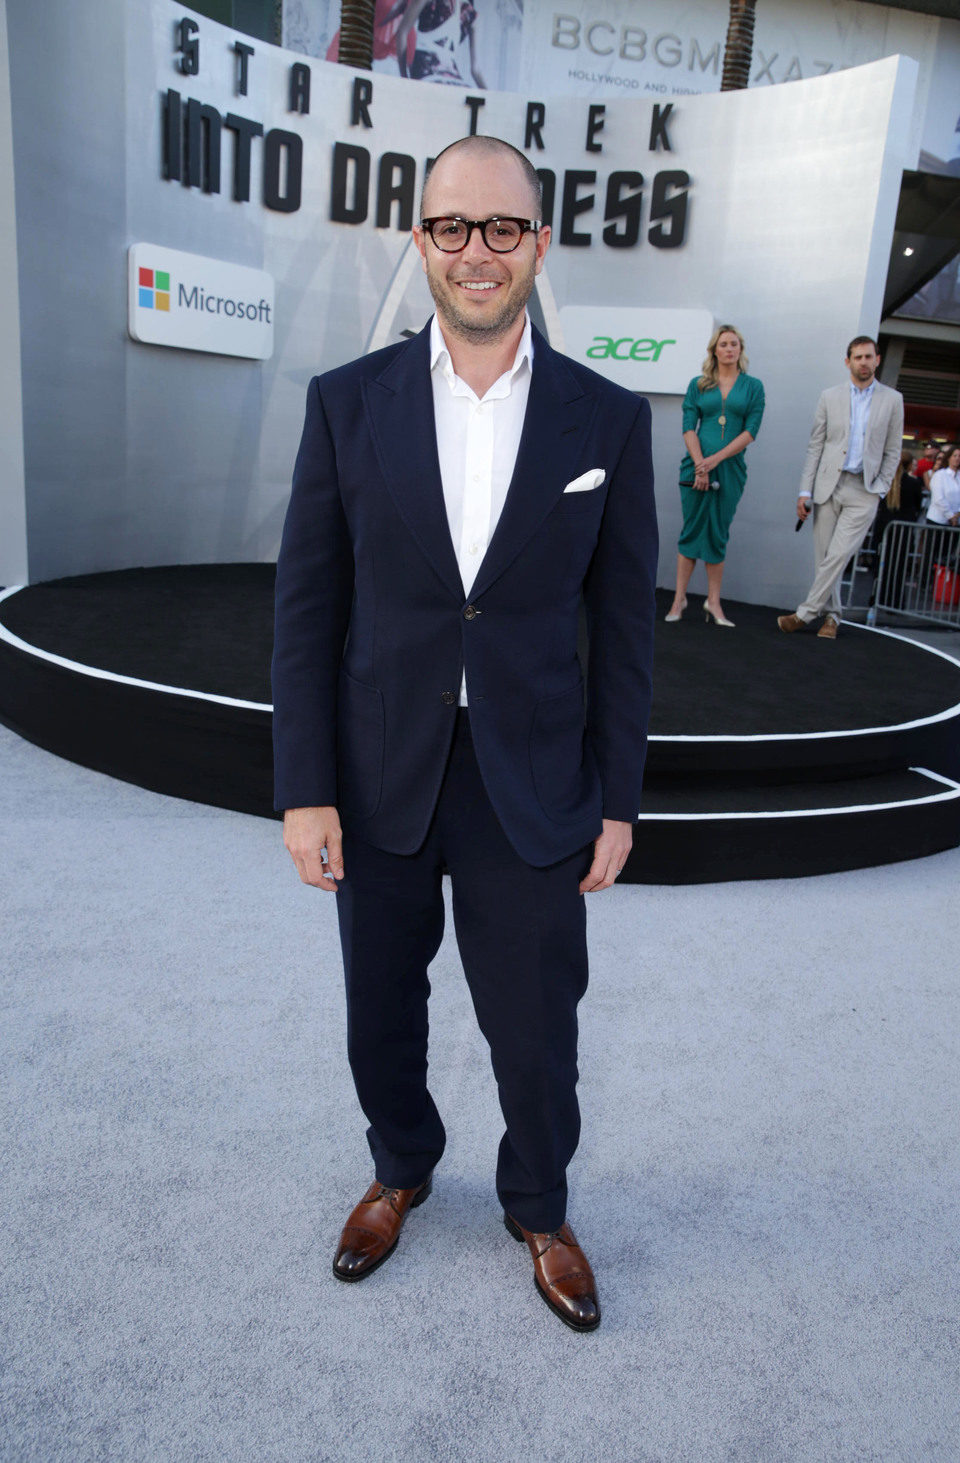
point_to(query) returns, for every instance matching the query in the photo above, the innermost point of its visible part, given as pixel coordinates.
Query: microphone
(799, 524)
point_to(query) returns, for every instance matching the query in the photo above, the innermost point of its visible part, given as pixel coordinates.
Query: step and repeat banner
(220, 219)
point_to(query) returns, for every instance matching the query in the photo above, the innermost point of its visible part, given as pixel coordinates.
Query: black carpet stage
(771, 755)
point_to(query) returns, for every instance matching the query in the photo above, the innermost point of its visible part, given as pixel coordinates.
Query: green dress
(707, 516)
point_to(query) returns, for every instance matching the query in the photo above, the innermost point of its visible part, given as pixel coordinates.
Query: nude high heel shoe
(717, 619)
(672, 619)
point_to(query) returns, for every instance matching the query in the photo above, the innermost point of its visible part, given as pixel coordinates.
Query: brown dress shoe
(370, 1234)
(789, 623)
(828, 630)
(562, 1274)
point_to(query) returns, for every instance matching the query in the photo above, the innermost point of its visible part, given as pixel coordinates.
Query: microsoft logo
(194, 303)
(154, 289)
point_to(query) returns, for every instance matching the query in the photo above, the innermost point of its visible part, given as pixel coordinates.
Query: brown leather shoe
(370, 1234)
(828, 630)
(562, 1274)
(789, 623)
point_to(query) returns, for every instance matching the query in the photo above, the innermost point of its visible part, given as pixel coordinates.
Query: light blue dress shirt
(859, 412)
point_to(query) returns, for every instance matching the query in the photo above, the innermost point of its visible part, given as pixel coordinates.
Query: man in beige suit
(852, 455)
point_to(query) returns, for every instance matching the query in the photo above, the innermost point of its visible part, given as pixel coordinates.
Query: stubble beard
(492, 329)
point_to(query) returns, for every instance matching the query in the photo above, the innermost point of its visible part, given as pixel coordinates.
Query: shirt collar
(864, 392)
(440, 355)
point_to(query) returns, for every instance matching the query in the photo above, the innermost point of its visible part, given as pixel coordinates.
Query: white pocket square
(586, 481)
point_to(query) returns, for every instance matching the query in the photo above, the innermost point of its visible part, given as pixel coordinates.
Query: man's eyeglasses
(502, 235)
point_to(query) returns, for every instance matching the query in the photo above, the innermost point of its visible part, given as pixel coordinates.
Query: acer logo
(642, 347)
(605, 347)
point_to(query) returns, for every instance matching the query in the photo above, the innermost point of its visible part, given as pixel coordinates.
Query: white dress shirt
(477, 442)
(944, 496)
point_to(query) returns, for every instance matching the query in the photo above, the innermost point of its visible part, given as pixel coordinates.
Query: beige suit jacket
(830, 438)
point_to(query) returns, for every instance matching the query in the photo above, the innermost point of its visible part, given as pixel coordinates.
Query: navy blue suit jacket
(373, 628)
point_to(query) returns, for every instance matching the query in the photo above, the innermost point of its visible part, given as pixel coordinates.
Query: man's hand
(609, 856)
(307, 832)
(803, 509)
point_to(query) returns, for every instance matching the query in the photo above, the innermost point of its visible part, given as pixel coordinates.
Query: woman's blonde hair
(709, 376)
(892, 498)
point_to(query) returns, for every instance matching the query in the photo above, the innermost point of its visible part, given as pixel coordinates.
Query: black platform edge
(73, 710)
(933, 742)
(710, 848)
(208, 751)
(217, 751)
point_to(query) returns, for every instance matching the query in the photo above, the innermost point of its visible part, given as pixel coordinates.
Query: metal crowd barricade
(918, 574)
(863, 566)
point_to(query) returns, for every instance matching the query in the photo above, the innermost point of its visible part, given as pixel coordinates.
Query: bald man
(456, 499)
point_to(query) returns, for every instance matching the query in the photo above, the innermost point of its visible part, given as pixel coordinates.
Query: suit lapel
(559, 411)
(399, 408)
(877, 415)
(841, 407)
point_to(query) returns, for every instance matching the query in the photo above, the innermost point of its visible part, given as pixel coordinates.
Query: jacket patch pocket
(359, 746)
(556, 753)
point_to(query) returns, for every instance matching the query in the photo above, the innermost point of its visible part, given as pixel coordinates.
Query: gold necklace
(722, 418)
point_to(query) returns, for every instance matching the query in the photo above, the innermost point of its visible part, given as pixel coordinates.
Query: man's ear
(419, 238)
(543, 244)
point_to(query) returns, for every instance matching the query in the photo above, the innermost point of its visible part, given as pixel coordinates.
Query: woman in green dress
(722, 411)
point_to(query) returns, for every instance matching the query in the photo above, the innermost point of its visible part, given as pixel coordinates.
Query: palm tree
(356, 33)
(738, 52)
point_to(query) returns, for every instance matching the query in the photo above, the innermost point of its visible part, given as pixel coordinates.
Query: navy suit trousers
(521, 932)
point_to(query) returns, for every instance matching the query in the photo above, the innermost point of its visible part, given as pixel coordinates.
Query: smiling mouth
(478, 286)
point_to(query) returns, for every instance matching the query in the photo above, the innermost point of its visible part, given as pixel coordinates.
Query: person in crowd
(854, 449)
(926, 458)
(911, 490)
(935, 463)
(427, 692)
(944, 506)
(943, 512)
(722, 411)
(904, 502)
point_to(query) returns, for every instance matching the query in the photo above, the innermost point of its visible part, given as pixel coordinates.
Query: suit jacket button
(449, 698)
(471, 612)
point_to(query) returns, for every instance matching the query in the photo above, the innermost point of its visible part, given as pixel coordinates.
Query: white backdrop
(140, 454)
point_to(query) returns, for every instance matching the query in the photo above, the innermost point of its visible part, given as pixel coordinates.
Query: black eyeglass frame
(525, 225)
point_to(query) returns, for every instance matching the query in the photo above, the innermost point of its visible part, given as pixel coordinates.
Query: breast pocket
(589, 501)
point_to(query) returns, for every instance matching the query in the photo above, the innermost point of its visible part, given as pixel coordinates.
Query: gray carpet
(767, 1185)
